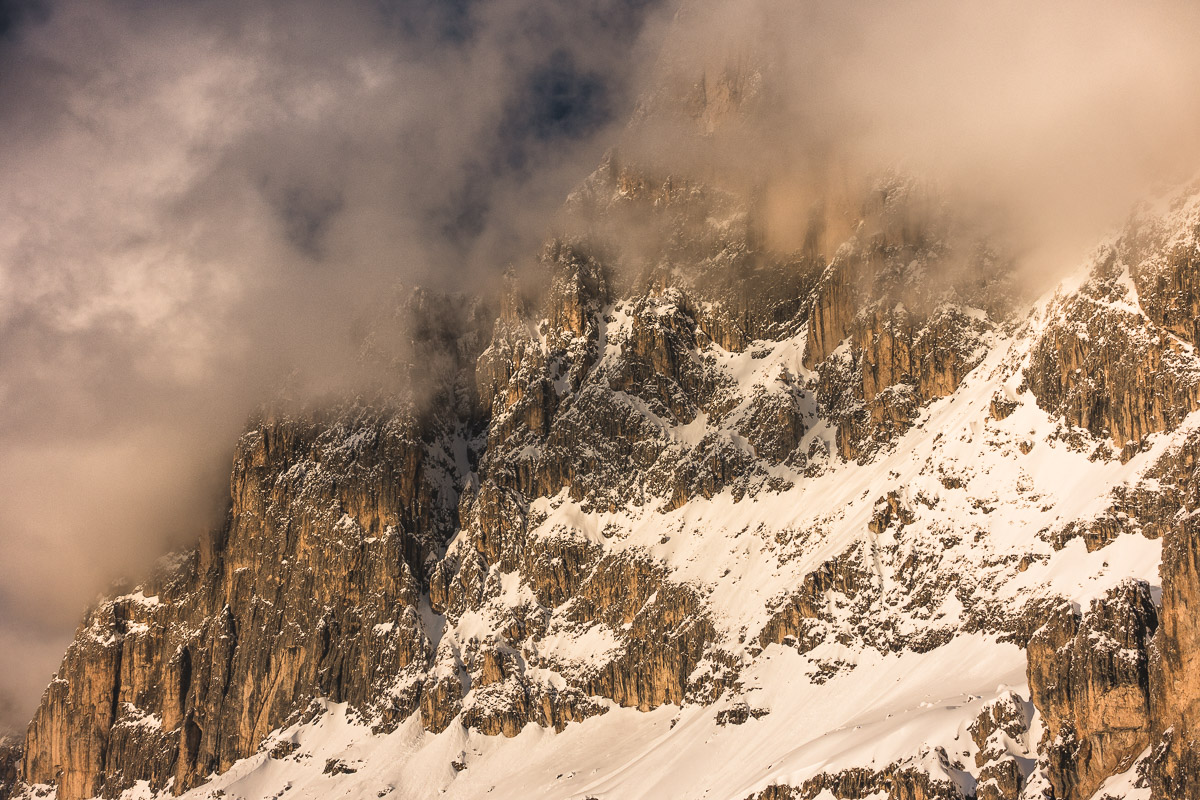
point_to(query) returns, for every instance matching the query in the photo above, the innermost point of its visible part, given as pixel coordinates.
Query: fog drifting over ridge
(1045, 121)
(198, 199)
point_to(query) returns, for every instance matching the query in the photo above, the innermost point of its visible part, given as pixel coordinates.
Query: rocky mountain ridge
(862, 517)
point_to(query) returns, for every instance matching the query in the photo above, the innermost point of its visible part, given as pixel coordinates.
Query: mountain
(683, 515)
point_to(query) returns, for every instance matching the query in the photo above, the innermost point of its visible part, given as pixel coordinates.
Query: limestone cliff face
(1119, 681)
(1175, 671)
(350, 530)
(1089, 677)
(900, 315)
(1115, 359)
(1161, 252)
(311, 589)
(1133, 692)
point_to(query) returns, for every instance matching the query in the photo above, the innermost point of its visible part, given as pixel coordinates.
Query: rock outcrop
(894, 782)
(1175, 673)
(1001, 732)
(1089, 677)
(1107, 689)
(1115, 359)
(310, 590)
(795, 622)
(10, 765)
(900, 315)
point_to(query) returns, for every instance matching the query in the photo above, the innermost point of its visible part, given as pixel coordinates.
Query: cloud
(199, 199)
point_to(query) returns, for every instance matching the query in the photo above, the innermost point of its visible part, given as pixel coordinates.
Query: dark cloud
(16, 13)
(559, 100)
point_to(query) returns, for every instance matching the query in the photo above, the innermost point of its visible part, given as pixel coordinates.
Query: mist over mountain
(709, 399)
(201, 204)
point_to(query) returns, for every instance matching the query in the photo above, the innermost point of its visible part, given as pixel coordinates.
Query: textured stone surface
(10, 765)
(895, 782)
(1089, 677)
(1001, 732)
(309, 590)
(1175, 684)
(1110, 363)
(899, 317)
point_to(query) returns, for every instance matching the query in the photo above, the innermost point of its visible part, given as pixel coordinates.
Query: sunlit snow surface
(744, 558)
(870, 716)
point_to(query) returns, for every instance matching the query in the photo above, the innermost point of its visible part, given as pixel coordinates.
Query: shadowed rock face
(10, 765)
